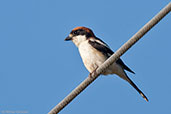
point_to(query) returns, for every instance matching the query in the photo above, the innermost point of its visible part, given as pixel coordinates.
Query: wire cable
(112, 59)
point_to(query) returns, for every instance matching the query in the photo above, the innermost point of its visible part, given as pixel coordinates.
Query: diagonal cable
(112, 59)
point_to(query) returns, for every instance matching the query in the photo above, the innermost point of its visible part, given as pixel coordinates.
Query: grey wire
(112, 59)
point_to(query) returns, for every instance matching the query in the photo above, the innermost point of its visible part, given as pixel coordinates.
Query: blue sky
(38, 69)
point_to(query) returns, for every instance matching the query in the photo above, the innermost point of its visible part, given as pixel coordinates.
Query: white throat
(77, 40)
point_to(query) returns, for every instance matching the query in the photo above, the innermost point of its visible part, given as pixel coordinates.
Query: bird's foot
(94, 73)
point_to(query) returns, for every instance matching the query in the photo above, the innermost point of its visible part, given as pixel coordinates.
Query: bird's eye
(75, 32)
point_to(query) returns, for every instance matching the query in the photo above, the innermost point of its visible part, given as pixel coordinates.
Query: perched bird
(95, 52)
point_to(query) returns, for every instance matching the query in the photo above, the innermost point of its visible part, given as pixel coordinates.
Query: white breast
(90, 56)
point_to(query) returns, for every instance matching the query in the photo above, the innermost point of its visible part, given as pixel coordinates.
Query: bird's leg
(93, 73)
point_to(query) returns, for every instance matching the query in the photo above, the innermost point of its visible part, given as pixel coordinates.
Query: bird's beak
(68, 38)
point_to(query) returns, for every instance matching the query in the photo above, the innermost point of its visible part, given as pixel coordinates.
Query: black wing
(107, 52)
(101, 46)
(119, 61)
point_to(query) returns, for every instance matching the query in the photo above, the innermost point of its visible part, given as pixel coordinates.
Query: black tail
(139, 91)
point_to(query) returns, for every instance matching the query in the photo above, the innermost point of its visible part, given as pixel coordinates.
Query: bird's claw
(94, 73)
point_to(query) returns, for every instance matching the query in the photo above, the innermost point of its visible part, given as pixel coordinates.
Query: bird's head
(79, 35)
